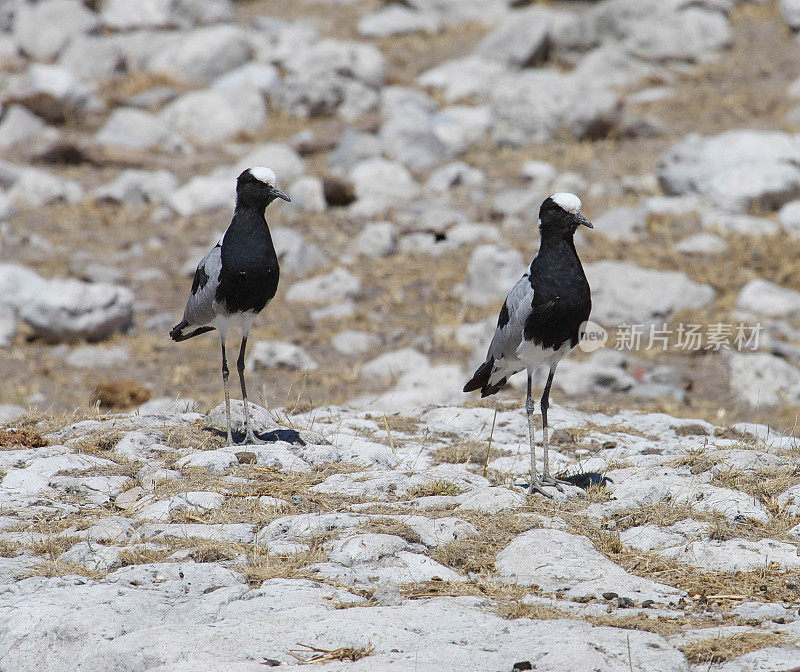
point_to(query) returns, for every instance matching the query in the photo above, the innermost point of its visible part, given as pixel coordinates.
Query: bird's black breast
(561, 298)
(250, 273)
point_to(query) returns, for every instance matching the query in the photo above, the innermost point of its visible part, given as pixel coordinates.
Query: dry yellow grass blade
(723, 649)
(319, 655)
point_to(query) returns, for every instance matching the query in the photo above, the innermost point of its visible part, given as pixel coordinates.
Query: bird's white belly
(225, 321)
(534, 356)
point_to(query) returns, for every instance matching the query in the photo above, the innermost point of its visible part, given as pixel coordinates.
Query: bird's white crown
(265, 175)
(566, 201)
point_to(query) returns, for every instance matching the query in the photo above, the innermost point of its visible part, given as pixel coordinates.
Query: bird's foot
(229, 440)
(251, 439)
(537, 486)
(547, 479)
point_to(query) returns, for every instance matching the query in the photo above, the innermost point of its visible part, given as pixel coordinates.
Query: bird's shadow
(285, 434)
(582, 479)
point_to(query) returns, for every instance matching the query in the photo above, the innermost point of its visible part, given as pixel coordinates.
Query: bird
(236, 279)
(542, 319)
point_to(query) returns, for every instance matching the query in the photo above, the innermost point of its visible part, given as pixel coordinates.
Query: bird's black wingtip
(177, 334)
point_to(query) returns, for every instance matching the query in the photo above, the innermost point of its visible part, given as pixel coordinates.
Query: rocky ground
(383, 522)
(138, 542)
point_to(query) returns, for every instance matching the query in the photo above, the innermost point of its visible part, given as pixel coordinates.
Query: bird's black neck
(248, 235)
(559, 244)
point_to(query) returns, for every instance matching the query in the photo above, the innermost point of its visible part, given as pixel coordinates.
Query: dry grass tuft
(120, 394)
(767, 584)
(196, 436)
(465, 452)
(439, 487)
(477, 553)
(723, 649)
(21, 438)
(658, 625)
(52, 547)
(390, 526)
(208, 550)
(262, 565)
(698, 460)
(8, 549)
(54, 568)
(140, 555)
(512, 609)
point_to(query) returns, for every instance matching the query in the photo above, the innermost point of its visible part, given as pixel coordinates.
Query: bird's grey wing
(199, 308)
(511, 323)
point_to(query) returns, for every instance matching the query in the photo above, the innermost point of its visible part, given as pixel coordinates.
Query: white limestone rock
(760, 378)
(96, 356)
(626, 293)
(523, 38)
(377, 239)
(19, 125)
(203, 193)
(136, 129)
(138, 187)
(383, 180)
(745, 225)
(133, 14)
(453, 175)
(491, 273)
(331, 76)
(308, 194)
(214, 461)
(277, 355)
(35, 188)
(43, 29)
(735, 169)
(296, 255)
(334, 286)
(398, 20)
(624, 224)
(94, 57)
(93, 556)
(702, 243)
(203, 54)
(262, 77)
(572, 564)
(71, 309)
(393, 364)
(491, 500)
(51, 92)
(763, 297)
(351, 342)
(223, 115)
(789, 218)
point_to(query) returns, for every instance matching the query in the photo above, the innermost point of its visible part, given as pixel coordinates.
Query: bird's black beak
(277, 193)
(584, 221)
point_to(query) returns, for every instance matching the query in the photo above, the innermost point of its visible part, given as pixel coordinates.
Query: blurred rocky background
(417, 140)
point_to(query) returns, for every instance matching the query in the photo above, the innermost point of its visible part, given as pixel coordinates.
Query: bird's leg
(249, 436)
(535, 484)
(227, 394)
(547, 479)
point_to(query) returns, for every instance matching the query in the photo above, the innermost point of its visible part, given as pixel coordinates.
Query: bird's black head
(258, 187)
(560, 215)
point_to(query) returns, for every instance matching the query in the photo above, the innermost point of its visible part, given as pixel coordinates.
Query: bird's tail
(480, 381)
(178, 334)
